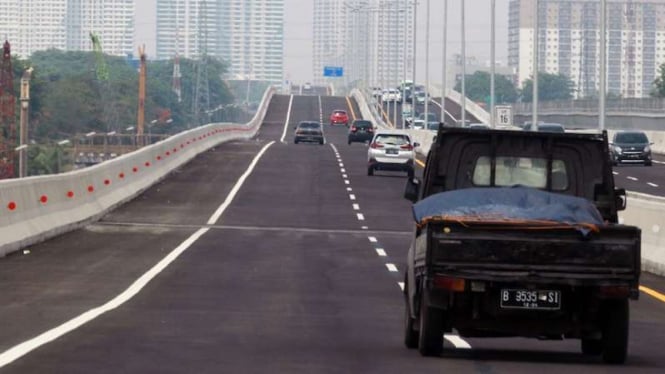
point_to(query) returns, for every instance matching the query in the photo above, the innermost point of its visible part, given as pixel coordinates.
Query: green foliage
(477, 87)
(550, 87)
(659, 83)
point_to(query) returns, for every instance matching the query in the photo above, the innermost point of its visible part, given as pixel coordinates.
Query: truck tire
(430, 339)
(615, 332)
(370, 170)
(592, 347)
(410, 332)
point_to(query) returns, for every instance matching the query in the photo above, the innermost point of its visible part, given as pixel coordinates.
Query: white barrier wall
(34, 209)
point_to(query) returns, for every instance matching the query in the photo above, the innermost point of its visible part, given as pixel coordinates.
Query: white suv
(391, 150)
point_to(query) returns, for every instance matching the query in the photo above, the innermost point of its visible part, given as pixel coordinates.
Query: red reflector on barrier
(11, 205)
(159, 158)
(91, 188)
(107, 182)
(448, 283)
(43, 199)
(135, 169)
(168, 153)
(70, 194)
(121, 175)
(147, 164)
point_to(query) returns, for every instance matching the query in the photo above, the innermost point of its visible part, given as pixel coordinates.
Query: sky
(298, 33)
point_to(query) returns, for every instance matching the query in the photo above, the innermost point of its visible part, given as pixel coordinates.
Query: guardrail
(623, 107)
(481, 114)
(37, 208)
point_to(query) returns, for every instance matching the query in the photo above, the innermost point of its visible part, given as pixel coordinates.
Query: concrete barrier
(646, 212)
(36, 208)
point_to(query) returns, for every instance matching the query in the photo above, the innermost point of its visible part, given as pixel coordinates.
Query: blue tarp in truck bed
(508, 204)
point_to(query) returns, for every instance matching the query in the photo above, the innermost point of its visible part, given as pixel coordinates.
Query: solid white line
(372, 239)
(356, 207)
(381, 252)
(288, 118)
(24, 348)
(652, 184)
(352, 196)
(360, 217)
(632, 178)
(218, 213)
(457, 341)
(392, 268)
(401, 285)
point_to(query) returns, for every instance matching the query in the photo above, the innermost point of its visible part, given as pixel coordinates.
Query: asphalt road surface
(258, 256)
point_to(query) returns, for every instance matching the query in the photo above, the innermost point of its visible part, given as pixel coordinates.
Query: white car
(391, 94)
(307, 86)
(391, 150)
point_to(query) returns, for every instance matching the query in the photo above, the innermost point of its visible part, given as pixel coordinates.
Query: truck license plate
(530, 299)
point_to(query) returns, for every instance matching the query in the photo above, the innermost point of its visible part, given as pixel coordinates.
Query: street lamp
(23, 132)
(444, 68)
(59, 146)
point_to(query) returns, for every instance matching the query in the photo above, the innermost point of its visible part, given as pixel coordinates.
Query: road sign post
(503, 115)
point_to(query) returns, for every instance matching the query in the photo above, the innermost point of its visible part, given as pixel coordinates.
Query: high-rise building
(66, 25)
(371, 40)
(33, 25)
(569, 43)
(252, 39)
(188, 27)
(111, 20)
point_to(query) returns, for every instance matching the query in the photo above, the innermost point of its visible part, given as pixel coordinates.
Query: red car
(339, 117)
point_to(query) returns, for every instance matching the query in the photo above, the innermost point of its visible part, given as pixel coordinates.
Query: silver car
(391, 150)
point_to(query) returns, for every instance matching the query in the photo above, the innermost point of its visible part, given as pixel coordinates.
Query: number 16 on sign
(504, 115)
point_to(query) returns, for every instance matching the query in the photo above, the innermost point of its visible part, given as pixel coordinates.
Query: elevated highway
(256, 256)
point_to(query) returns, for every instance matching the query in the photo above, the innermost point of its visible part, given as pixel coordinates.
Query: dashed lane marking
(458, 342)
(345, 176)
(632, 178)
(352, 196)
(343, 170)
(346, 182)
(372, 239)
(401, 285)
(615, 173)
(360, 217)
(356, 207)
(652, 184)
(349, 189)
(392, 268)
(381, 252)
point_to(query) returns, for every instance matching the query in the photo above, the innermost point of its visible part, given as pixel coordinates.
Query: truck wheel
(615, 332)
(430, 341)
(410, 332)
(592, 347)
(370, 170)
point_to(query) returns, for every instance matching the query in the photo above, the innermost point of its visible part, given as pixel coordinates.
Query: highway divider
(37, 208)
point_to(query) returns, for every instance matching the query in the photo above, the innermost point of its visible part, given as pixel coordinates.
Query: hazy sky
(298, 33)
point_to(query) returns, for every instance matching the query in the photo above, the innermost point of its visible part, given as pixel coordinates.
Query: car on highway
(377, 92)
(309, 131)
(426, 122)
(391, 94)
(361, 131)
(421, 96)
(307, 86)
(551, 127)
(391, 150)
(339, 116)
(632, 147)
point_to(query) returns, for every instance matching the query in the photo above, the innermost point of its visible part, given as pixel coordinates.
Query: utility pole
(444, 68)
(7, 115)
(534, 115)
(23, 133)
(493, 63)
(463, 67)
(427, 66)
(603, 65)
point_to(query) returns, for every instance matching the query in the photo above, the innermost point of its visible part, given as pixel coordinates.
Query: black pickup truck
(517, 234)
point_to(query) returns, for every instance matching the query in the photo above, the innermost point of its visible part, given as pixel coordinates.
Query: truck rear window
(524, 171)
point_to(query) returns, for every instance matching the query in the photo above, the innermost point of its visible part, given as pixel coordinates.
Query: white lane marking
(392, 268)
(345, 176)
(652, 184)
(352, 196)
(356, 207)
(218, 213)
(364, 228)
(360, 217)
(381, 252)
(320, 111)
(343, 170)
(615, 173)
(349, 189)
(24, 348)
(457, 341)
(659, 162)
(401, 285)
(346, 181)
(372, 239)
(288, 119)
(632, 178)
(341, 165)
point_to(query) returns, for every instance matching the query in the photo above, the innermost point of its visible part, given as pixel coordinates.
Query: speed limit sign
(504, 115)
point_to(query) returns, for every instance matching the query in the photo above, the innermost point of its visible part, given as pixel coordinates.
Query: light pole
(444, 68)
(427, 66)
(404, 34)
(603, 65)
(492, 62)
(415, 39)
(23, 131)
(534, 101)
(60, 144)
(463, 67)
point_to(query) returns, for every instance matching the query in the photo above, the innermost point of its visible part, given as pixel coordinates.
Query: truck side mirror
(620, 198)
(412, 190)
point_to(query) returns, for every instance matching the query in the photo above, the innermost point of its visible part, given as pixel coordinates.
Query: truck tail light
(449, 283)
(376, 145)
(614, 292)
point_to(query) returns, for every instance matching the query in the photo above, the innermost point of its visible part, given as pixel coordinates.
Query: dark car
(631, 146)
(309, 131)
(361, 131)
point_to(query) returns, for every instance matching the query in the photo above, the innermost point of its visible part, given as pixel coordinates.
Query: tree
(477, 87)
(659, 83)
(550, 87)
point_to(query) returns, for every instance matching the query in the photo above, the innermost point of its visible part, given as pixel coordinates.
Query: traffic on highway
(264, 256)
